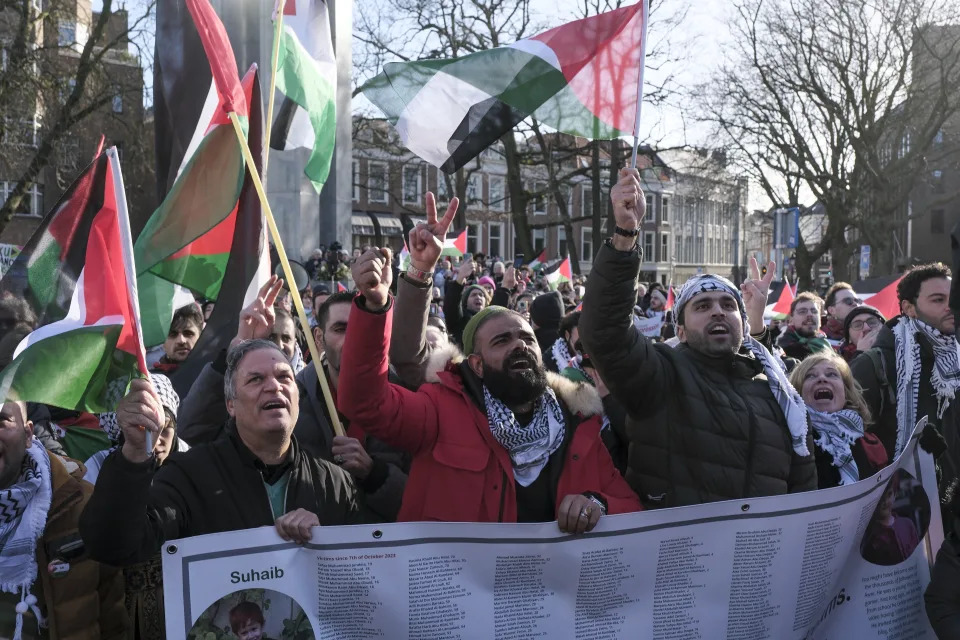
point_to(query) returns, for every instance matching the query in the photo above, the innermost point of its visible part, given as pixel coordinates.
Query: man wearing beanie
(714, 418)
(546, 312)
(861, 326)
(494, 437)
(461, 301)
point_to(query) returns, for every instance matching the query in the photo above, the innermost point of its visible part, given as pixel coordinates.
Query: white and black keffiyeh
(561, 355)
(836, 433)
(529, 446)
(792, 405)
(168, 398)
(945, 377)
(23, 515)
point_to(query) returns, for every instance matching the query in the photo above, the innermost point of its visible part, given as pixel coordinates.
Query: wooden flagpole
(643, 64)
(288, 274)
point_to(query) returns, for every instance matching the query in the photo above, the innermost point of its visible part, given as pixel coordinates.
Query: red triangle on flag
(671, 299)
(223, 66)
(290, 9)
(340, 288)
(565, 269)
(461, 242)
(786, 297)
(886, 300)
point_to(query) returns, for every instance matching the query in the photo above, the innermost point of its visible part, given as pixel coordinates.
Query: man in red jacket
(495, 438)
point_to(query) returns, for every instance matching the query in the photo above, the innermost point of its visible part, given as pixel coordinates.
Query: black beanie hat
(546, 311)
(859, 311)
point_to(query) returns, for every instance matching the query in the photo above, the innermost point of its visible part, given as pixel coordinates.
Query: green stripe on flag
(300, 79)
(80, 369)
(200, 273)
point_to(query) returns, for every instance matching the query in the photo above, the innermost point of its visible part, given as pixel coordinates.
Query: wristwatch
(620, 231)
(597, 501)
(419, 276)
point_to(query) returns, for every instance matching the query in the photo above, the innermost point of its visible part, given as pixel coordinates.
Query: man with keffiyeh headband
(913, 369)
(494, 437)
(714, 418)
(49, 587)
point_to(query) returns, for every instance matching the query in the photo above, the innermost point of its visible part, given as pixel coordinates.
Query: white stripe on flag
(203, 124)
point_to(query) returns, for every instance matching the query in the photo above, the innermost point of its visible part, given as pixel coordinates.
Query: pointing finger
(273, 293)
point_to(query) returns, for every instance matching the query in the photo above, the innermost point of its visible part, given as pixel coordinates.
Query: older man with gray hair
(256, 476)
(713, 419)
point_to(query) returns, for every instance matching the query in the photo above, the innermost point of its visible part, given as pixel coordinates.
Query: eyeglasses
(871, 323)
(851, 302)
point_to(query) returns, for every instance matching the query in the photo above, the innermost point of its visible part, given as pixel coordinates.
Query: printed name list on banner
(848, 562)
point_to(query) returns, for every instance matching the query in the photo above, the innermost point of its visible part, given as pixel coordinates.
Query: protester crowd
(467, 389)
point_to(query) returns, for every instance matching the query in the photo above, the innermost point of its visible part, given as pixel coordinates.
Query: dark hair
(323, 313)
(243, 614)
(437, 322)
(569, 322)
(832, 292)
(909, 288)
(185, 314)
(280, 314)
(806, 296)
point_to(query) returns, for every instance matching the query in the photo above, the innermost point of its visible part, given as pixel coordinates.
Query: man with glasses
(840, 301)
(860, 331)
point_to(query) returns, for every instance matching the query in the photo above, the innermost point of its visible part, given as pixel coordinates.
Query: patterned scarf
(529, 446)
(836, 433)
(945, 377)
(561, 355)
(23, 515)
(168, 399)
(792, 405)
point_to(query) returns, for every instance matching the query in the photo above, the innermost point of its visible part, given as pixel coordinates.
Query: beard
(807, 331)
(701, 342)
(516, 387)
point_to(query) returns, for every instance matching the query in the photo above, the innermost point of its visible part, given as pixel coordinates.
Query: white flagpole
(643, 64)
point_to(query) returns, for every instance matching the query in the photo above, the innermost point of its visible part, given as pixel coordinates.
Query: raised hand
(509, 278)
(372, 274)
(425, 241)
(755, 292)
(138, 412)
(256, 321)
(629, 205)
(466, 270)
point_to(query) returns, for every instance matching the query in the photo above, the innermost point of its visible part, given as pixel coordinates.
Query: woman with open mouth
(845, 451)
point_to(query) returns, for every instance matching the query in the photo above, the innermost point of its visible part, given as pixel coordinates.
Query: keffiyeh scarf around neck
(530, 446)
(561, 355)
(792, 405)
(836, 433)
(945, 377)
(23, 515)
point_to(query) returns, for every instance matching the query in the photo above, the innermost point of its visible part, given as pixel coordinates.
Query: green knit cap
(471, 329)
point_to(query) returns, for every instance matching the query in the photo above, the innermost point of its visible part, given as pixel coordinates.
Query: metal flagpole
(643, 64)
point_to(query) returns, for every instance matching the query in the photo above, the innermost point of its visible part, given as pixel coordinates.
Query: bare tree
(60, 69)
(841, 101)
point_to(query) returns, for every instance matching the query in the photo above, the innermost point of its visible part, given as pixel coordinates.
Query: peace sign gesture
(755, 292)
(256, 321)
(426, 239)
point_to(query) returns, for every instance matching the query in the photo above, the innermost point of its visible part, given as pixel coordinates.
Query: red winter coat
(460, 473)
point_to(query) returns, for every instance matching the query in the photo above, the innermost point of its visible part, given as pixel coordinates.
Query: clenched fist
(373, 275)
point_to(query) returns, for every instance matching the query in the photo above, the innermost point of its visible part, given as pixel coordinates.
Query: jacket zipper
(503, 493)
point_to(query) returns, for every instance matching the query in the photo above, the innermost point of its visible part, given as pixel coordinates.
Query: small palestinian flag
(80, 274)
(580, 78)
(539, 261)
(671, 299)
(307, 77)
(557, 273)
(455, 246)
(786, 299)
(341, 288)
(404, 260)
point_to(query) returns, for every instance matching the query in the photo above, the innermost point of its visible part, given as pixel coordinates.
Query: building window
(586, 242)
(664, 247)
(648, 215)
(538, 200)
(648, 247)
(937, 139)
(67, 34)
(664, 209)
(411, 185)
(443, 194)
(586, 202)
(377, 182)
(539, 240)
(355, 180)
(495, 239)
(118, 103)
(567, 194)
(937, 182)
(936, 221)
(678, 249)
(498, 198)
(905, 144)
(32, 202)
(473, 237)
(562, 242)
(475, 189)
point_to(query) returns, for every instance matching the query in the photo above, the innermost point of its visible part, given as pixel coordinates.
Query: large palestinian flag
(307, 77)
(79, 269)
(580, 78)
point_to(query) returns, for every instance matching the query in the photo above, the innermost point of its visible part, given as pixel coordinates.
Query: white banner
(8, 253)
(650, 327)
(848, 562)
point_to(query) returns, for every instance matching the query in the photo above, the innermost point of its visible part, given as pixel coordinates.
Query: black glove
(932, 441)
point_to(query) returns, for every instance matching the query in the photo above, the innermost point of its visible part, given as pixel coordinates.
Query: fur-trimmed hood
(579, 397)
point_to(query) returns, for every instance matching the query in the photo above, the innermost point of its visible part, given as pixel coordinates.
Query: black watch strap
(629, 234)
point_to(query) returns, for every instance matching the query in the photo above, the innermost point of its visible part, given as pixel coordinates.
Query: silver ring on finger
(338, 459)
(584, 513)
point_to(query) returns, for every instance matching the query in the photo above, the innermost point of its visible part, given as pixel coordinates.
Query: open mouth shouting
(718, 329)
(274, 404)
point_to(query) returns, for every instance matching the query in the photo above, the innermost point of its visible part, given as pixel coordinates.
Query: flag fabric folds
(307, 77)
(79, 280)
(539, 261)
(579, 78)
(786, 298)
(455, 247)
(558, 272)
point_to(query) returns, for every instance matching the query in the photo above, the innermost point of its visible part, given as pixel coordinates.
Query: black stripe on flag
(281, 126)
(483, 125)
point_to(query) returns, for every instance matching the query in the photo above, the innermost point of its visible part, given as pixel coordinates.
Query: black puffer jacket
(212, 488)
(701, 429)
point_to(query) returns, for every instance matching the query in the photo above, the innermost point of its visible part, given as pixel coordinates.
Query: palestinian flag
(79, 269)
(307, 77)
(786, 299)
(455, 246)
(539, 260)
(404, 260)
(580, 78)
(557, 273)
(192, 230)
(671, 299)
(886, 300)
